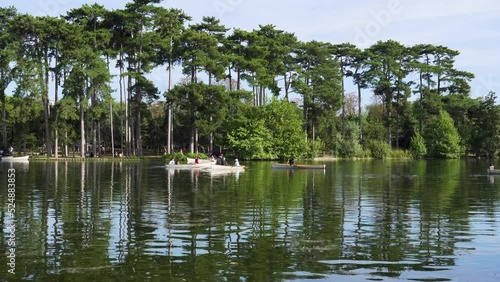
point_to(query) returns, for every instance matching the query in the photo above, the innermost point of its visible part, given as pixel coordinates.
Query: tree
(318, 81)
(486, 134)
(443, 140)
(7, 58)
(169, 24)
(93, 70)
(283, 119)
(345, 54)
(386, 72)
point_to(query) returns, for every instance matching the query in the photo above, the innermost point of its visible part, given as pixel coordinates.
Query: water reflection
(412, 220)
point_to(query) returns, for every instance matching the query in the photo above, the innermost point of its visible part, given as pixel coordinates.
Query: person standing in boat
(492, 167)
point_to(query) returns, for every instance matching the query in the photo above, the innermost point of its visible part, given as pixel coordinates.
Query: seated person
(236, 162)
(492, 167)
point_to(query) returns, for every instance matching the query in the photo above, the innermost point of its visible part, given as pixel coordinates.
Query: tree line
(237, 93)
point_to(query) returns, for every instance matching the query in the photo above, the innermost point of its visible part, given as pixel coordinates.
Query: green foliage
(251, 141)
(485, 138)
(315, 148)
(463, 110)
(373, 125)
(349, 145)
(284, 120)
(379, 149)
(400, 154)
(417, 146)
(442, 138)
(178, 156)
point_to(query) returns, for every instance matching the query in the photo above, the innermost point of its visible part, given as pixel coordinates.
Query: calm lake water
(355, 221)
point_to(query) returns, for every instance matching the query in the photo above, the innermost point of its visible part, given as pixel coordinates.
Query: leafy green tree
(349, 145)
(443, 140)
(250, 137)
(417, 146)
(284, 121)
(197, 102)
(485, 139)
(379, 149)
(436, 74)
(374, 128)
(462, 110)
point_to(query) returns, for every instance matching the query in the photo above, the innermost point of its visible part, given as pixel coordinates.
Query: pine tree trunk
(4, 123)
(360, 119)
(82, 129)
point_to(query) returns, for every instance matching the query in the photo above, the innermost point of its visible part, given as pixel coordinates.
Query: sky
(470, 27)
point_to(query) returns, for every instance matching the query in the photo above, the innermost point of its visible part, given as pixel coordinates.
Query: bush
(417, 146)
(379, 149)
(443, 139)
(315, 148)
(176, 156)
(350, 149)
(400, 154)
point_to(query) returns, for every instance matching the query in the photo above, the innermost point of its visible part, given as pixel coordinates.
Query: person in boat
(197, 160)
(172, 162)
(236, 162)
(492, 167)
(291, 162)
(10, 151)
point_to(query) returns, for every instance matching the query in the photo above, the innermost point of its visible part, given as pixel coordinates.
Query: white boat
(189, 166)
(226, 168)
(493, 171)
(201, 161)
(15, 159)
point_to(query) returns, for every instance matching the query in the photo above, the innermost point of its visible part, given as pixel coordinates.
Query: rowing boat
(228, 168)
(189, 166)
(298, 166)
(494, 171)
(201, 161)
(15, 159)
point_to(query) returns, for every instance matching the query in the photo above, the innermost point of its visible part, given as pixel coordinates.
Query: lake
(354, 221)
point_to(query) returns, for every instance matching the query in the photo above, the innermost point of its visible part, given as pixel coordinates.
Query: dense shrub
(379, 149)
(417, 146)
(400, 154)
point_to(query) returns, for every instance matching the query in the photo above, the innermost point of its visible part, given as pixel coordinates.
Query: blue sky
(470, 27)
